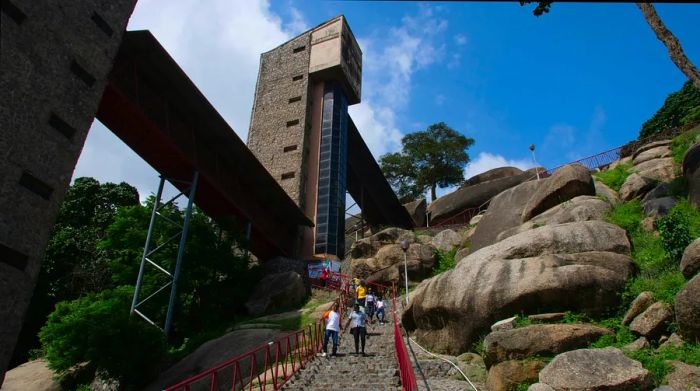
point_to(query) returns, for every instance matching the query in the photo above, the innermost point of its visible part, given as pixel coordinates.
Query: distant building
(299, 126)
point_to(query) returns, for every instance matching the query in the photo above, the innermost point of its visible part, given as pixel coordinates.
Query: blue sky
(576, 81)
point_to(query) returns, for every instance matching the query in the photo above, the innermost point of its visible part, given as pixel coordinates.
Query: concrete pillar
(56, 56)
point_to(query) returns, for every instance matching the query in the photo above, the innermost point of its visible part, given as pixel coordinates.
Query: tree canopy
(428, 159)
(680, 108)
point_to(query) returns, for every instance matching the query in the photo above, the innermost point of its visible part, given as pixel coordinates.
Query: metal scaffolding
(149, 249)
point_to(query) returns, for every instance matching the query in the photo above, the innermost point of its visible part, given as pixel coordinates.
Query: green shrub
(445, 261)
(622, 335)
(97, 329)
(676, 108)
(615, 177)
(692, 117)
(675, 233)
(681, 143)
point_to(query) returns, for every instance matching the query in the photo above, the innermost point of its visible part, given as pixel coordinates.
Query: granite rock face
(639, 304)
(417, 211)
(683, 376)
(386, 266)
(610, 195)
(573, 266)
(539, 339)
(691, 171)
(495, 173)
(446, 240)
(653, 321)
(566, 183)
(595, 369)
(690, 263)
(505, 375)
(275, 292)
(687, 308)
(636, 186)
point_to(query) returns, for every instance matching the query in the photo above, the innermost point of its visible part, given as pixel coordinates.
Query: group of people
(367, 305)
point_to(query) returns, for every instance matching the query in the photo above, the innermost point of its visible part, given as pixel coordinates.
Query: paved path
(376, 371)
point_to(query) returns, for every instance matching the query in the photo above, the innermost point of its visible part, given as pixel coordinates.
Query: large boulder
(660, 151)
(683, 376)
(574, 266)
(504, 212)
(496, 173)
(539, 339)
(639, 304)
(417, 211)
(653, 321)
(368, 247)
(470, 197)
(594, 370)
(691, 172)
(566, 183)
(662, 169)
(33, 375)
(690, 263)
(275, 292)
(636, 186)
(386, 266)
(651, 145)
(687, 307)
(659, 206)
(581, 208)
(661, 190)
(605, 192)
(508, 374)
(447, 240)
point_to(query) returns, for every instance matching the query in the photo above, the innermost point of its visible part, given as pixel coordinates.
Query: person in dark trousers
(370, 302)
(332, 330)
(358, 328)
(324, 276)
(380, 310)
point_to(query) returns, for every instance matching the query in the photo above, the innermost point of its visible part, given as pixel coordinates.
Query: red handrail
(270, 366)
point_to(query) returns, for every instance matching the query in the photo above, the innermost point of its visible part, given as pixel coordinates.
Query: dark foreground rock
(691, 171)
(539, 339)
(275, 292)
(575, 266)
(683, 376)
(595, 369)
(690, 263)
(687, 308)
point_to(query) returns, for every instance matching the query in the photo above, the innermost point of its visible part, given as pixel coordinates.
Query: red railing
(270, 366)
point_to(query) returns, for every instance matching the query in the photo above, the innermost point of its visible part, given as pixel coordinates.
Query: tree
(428, 159)
(675, 50)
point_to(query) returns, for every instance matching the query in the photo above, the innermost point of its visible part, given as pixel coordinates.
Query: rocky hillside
(576, 281)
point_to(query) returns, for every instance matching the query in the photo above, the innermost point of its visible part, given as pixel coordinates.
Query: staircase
(375, 371)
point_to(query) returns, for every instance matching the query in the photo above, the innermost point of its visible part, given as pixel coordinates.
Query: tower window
(292, 123)
(295, 99)
(290, 148)
(287, 175)
(299, 49)
(297, 77)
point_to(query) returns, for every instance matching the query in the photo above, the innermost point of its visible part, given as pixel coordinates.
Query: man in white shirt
(332, 330)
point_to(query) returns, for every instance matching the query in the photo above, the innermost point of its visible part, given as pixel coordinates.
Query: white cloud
(460, 39)
(487, 161)
(567, 141)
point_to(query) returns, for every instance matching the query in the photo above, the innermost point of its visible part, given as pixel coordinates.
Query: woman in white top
(332, 329)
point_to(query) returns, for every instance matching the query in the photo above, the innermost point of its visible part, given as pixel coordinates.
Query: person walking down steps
(380, 310)
(357, 321)
(332, 330)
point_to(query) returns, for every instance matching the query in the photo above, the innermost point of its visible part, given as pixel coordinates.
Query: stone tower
(298, 127)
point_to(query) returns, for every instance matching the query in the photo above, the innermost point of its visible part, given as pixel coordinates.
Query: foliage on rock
(679, 106)
(445, 261)
(615, 177)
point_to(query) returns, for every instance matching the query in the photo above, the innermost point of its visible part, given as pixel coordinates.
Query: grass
(614, 178)
(655, 361)
(681, 143)
(445, 261)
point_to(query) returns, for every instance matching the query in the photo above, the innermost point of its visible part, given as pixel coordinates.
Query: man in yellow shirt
(361, 292)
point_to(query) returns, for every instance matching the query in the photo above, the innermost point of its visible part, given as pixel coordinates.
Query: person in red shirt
(324, 276)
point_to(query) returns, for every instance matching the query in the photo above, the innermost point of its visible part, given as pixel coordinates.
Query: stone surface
(32, 375)
(652, 145)
(386, 266)
(639, 304)
(447, 240)
(659, 206)
(673, 340)
(661, 190)
(581, 208)
(663, 170)
(539, 339)
(276, 291)
(504, 324)
(691, 172)
(417, 211)
(540, 387)
(653, 321)
(687, 308)
(424, 239)
(602, 190)
(690, 263)
(505, 375)
(683, 377)
(495, 173)
(475, 220)
(639, 343)
(37, 160)
(595, 369)
(549, 317)
(504, 212)
(652, 153)
(213, 352)
(470, 197)
(553, 268)
(393, 235)
(636, 186)
(566, 183)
